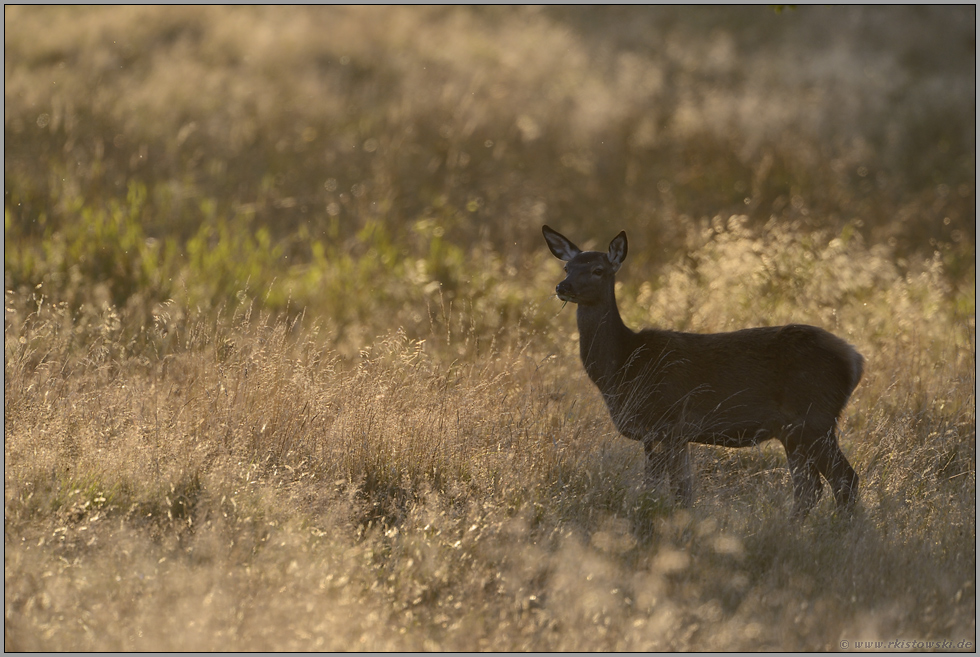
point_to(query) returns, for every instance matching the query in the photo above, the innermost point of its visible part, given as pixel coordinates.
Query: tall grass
(279, 496)
(284, 370)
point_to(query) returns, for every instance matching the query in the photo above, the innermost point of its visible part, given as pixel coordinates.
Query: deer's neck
(603, 340)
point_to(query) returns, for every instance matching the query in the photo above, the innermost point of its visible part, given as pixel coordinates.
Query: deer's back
(751, 380)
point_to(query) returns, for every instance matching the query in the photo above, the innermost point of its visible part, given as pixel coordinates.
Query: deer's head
(591, 275)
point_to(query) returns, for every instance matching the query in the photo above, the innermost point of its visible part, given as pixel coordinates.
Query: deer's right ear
(560, 246)
(617, 250)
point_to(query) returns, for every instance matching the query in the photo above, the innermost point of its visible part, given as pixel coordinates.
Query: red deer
(667, 388)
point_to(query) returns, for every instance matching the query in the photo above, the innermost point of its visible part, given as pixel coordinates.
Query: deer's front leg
(681, 478)
(666, 460)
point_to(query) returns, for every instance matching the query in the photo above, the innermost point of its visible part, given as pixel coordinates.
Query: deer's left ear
(561, 247)
(617, 250)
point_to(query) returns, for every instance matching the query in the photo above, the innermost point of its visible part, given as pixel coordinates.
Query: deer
(667, 388)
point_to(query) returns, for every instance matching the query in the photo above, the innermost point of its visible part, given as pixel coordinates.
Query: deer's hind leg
(807, 487)
(833, 465)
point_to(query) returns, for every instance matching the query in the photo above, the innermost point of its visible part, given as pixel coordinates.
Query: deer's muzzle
(564, 291)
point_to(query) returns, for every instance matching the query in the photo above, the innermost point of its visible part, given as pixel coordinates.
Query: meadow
(284, 368)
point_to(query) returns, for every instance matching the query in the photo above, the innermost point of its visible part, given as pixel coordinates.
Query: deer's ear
(560, 246)
(617, 250)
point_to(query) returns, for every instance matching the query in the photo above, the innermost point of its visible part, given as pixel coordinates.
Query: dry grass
(250, 490)
(284, 371)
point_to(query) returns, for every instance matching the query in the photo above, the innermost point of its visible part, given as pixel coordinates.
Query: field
(284, 368)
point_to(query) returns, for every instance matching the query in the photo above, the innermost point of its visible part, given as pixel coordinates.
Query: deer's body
(667, 388)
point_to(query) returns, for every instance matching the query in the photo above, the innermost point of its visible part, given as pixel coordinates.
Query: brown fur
(666, 388)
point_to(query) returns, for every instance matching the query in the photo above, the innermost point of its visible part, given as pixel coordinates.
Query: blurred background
(285, 370)
(192, 153)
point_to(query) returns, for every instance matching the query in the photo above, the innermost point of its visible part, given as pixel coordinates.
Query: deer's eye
(598, 271)
(565, 268)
